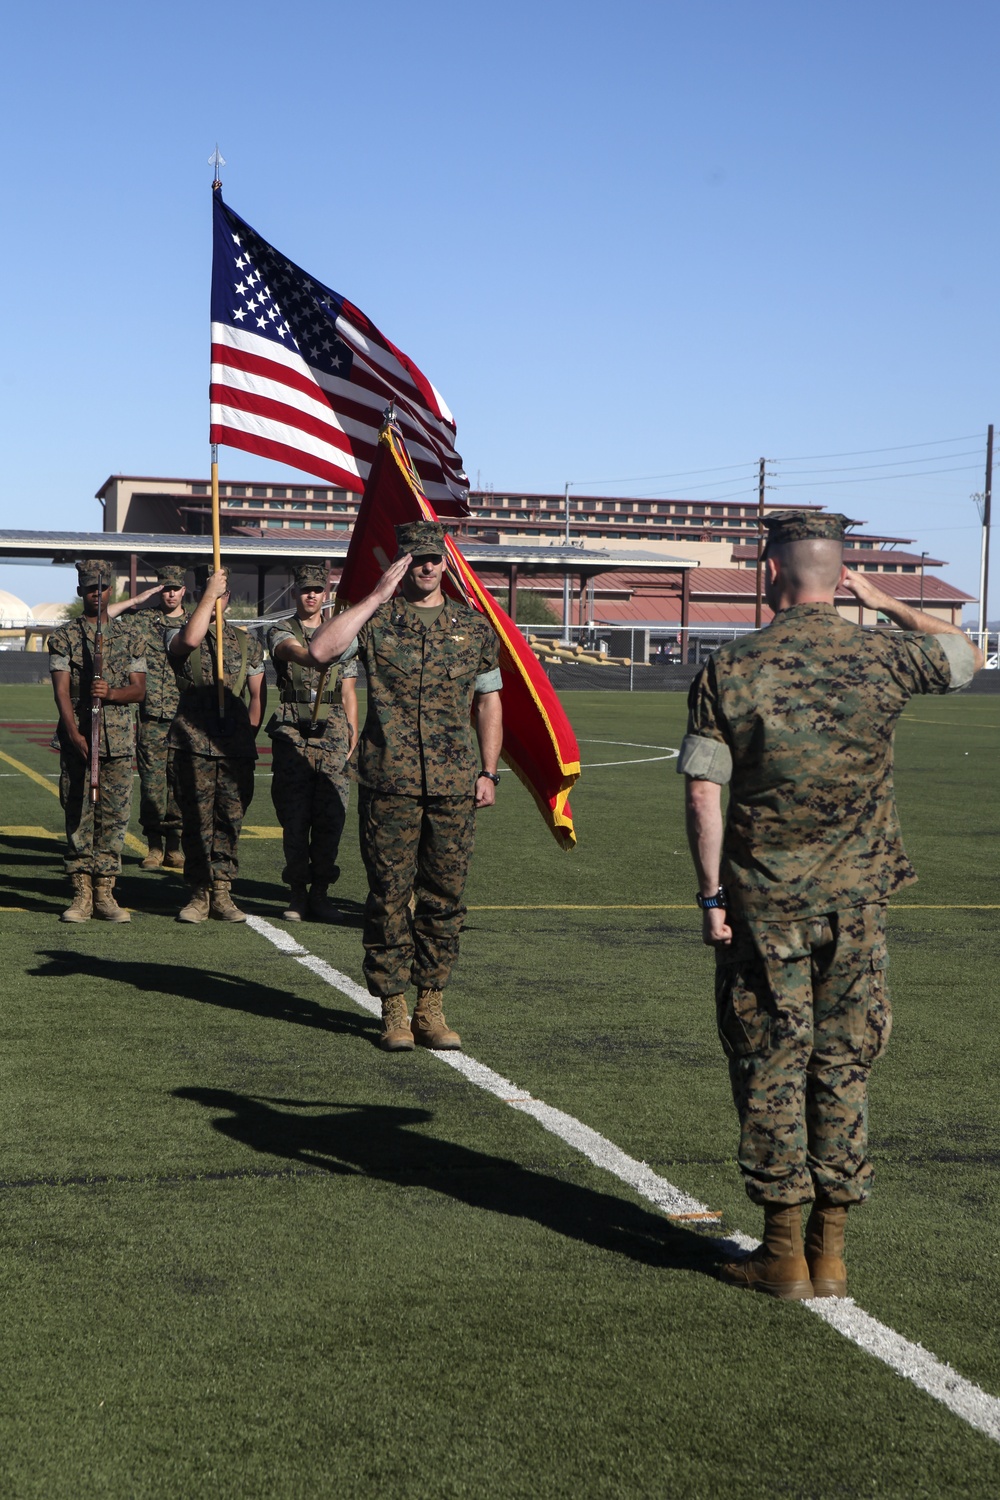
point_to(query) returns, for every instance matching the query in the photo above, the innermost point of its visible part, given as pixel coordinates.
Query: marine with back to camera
(430, 663)
(798, 720)
(310, 746)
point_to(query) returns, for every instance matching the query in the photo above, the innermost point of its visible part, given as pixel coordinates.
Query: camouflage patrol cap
(93, 570)
(170, 575)
(311, 575)
(804, 526)
(420, 539)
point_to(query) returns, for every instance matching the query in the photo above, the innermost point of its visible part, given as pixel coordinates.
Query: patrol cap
(310, 575)
(420, 539)
(804, 526)
(170, 575)
(92, 570)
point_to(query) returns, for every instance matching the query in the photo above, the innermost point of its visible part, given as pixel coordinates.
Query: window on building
(338, 507)
(199, 489)
(298, 505)
(256, 504)
(317, 525)
(297, 525)
(890, 568)
(236, 504)
(275, 505)
(299, 494)
(645, 506)
(716, 510)
(240, 489)
(909, 567)
(258, 489)
(274, 523)
(277, 492)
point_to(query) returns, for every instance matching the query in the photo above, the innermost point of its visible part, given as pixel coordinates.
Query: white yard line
(912, 1361)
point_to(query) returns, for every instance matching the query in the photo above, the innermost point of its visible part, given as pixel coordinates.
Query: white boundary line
(915, 1363)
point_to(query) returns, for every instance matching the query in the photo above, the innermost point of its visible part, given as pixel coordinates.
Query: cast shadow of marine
(208, 987)
(377, 1141)
(35, 892)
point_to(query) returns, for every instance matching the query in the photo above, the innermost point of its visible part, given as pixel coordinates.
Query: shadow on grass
(37, 892)
(377, 1141)
(207, 987)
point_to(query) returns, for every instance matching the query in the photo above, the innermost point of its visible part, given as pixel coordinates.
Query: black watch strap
(490, 776)
(712, 903)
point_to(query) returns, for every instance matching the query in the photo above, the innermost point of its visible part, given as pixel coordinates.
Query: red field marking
(36, 732)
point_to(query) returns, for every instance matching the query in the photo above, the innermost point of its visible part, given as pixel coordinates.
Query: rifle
(95, 703)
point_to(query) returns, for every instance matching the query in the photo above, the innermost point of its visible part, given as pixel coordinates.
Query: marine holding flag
(430, 661)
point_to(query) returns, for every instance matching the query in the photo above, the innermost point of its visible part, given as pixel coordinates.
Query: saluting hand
(391, 578)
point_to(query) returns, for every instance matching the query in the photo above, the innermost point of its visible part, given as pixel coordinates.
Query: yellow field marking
(26, 831)
(961, 723)
(259, 832)
(133, 843)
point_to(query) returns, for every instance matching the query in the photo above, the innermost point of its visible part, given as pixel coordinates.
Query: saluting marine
(211, 761)
(159, 813)
(95, 832)
(312, 734)
(798, 720)
(429, 662)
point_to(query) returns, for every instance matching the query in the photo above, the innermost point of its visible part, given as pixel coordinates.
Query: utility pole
(984, 562)
(922, 556)
(566, 590)
(758, 609)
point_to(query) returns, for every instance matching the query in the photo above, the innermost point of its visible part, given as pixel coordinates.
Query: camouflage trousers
(213, 794)
(310, 790)
(803, 1013)
(95, 835)
(418, 846)
(158, 810)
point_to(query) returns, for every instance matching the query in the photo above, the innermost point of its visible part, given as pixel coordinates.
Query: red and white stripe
(268, 399)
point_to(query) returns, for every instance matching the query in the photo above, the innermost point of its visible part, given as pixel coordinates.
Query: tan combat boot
(223, 907)
(154, 859)
(82, 908)
(429, 1026)
(173, 857)
(298, 907)
(105, 905)
(321, 908)
(777, 1267)
(197, 908)
(825, 1248)
(396, 1036)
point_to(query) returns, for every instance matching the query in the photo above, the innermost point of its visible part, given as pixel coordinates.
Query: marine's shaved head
(810, 566)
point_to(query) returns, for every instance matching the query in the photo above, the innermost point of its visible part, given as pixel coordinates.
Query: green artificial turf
(244, 1253)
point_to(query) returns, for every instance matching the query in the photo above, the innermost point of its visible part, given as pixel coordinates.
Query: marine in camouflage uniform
(310, 745)
(427, 665)
(211, 759)
(159, 813)
(95, 833)
(798, 719)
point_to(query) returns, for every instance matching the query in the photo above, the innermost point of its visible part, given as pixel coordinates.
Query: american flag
(301, 375)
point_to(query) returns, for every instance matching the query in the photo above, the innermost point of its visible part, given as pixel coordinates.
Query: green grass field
(245, 1253)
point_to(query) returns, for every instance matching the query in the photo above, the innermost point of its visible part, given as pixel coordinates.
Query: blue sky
(624, 241)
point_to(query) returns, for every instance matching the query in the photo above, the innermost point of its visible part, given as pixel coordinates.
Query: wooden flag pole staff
(216, 565)
(217, 161)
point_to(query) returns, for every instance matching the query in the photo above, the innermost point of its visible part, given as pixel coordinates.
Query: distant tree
(532, 607)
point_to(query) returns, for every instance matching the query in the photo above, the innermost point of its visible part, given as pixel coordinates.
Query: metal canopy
(67, 546)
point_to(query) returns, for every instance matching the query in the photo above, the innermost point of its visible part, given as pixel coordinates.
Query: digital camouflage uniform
(159, 813)
(801, 715)
(416, 764)
(211, 762)
(95, 835)
(310, 785)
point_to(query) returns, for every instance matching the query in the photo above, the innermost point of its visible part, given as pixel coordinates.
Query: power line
(892, 464)
(881, 478)
(802, 458)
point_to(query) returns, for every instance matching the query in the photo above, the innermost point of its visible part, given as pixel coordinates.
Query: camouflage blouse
(197, 728)
(297, 685)
(162, 694)
(802, 715)
(417, 739)
(71, 649)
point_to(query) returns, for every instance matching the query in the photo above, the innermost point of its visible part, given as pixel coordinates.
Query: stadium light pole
(922, 556)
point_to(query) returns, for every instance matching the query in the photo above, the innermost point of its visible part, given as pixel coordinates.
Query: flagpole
(217, 160)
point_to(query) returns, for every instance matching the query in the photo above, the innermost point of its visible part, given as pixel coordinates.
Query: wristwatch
(490, 776)
(712, 903)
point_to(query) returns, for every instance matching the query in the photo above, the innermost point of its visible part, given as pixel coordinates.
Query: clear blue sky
(623, 240)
